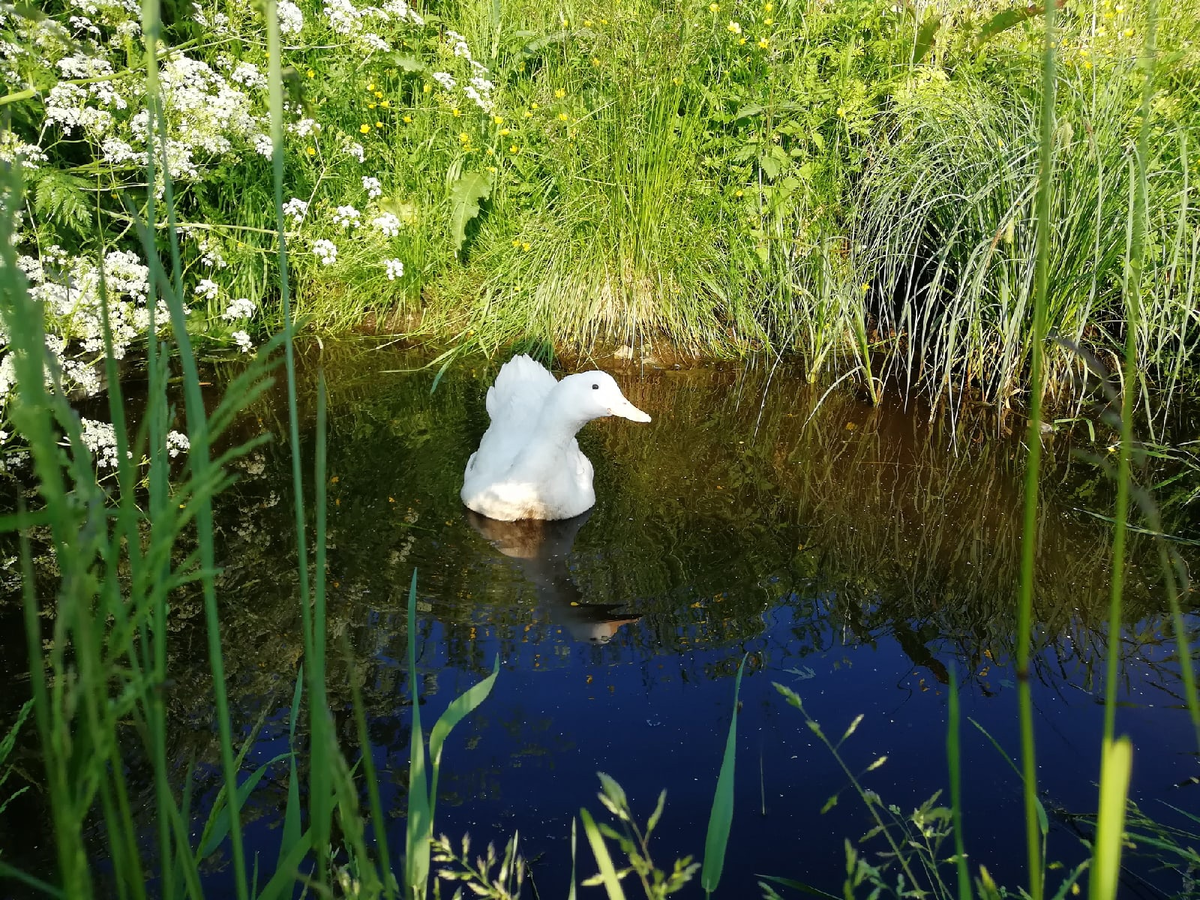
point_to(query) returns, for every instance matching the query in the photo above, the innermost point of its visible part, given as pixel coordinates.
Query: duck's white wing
(514, 403)
(519, 392)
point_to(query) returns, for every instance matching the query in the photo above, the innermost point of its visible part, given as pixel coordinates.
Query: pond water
(863, 557)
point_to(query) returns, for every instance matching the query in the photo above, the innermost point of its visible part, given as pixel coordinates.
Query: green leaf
(465, 196)
(291, 812)
(62, 199)
(608, 872)
(220, 826)
(1003, 21)
(721, 818)
(925, 36)
(408, 63)
(420, 824)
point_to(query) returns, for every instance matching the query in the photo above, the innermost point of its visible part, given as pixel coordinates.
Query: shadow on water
(861, 556)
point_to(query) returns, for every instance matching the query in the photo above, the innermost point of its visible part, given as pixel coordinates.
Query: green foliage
(465, 196)
(634, 842)
(62, 198)
(6, 747)
(851, 181)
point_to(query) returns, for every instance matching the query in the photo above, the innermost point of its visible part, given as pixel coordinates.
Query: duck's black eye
(595, 387)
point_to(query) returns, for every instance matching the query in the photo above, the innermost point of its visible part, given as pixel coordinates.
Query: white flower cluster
(387, 223)
(346, 217)
(101, 440)
(241, 308)
(291, 20)
(346, 19)
(372, 187)
(207, 289)
(395, 269)
(304, 127)
(177, 442)
(326, 251)
(295, 209)
(243, 341)
(479, 89)
(72, 298)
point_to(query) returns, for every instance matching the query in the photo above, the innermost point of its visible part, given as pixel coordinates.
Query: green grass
(843, 181)
(667, 186)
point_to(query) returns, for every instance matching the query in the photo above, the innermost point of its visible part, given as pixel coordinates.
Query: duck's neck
(560, 420)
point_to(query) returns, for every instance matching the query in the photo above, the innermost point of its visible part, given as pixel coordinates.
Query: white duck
(528, 465)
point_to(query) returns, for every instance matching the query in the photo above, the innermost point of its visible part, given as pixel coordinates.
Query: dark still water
(859, 556)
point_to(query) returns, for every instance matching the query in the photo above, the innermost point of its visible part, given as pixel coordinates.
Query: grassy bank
(851, 181)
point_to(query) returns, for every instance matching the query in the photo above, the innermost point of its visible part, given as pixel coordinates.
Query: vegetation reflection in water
(855, 553)
(860, 546)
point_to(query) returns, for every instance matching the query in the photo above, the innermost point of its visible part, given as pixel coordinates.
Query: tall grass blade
(1133, 317)
(461, 707)
(378, 822)
(1034, 458)
(419, 826)
(1116, 764)
(721, 818)
(608, 872)
(954, 763)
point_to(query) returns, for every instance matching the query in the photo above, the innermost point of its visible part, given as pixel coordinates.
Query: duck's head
(595, 394)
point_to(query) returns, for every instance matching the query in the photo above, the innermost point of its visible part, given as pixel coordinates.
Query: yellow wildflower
(464, 138)
(841, 112)
(498, 119)
(311, 151)
(408, 120)
(364, 128)
(562, 116)
(505, 132)
(370, 87)
(764, 43)
(456, 111)
(378, 124)
(312, 74)
(734, 27)
(512, 149)
(533, 106)
(738, 193)
(768, 21)
(525, 245)
(587, 23)
(386, 104)
(370, 106)
(714, 7)
(560, 93)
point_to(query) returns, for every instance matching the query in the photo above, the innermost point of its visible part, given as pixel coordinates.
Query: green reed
(1034, 835)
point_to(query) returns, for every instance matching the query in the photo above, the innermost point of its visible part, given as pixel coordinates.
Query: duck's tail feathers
(522, 382)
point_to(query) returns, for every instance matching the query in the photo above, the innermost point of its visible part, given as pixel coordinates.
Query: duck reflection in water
(539, 550)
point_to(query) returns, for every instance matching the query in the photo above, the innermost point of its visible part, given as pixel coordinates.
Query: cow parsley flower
(372, 187)
(295, 209)
(388, 224)
(326, 251)
(291, 20)
(395, 269)
(243, 341)
(207, 289)
(445, 79)
(356, 151)
(177, 442)
(346, 216)
(241, 308)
